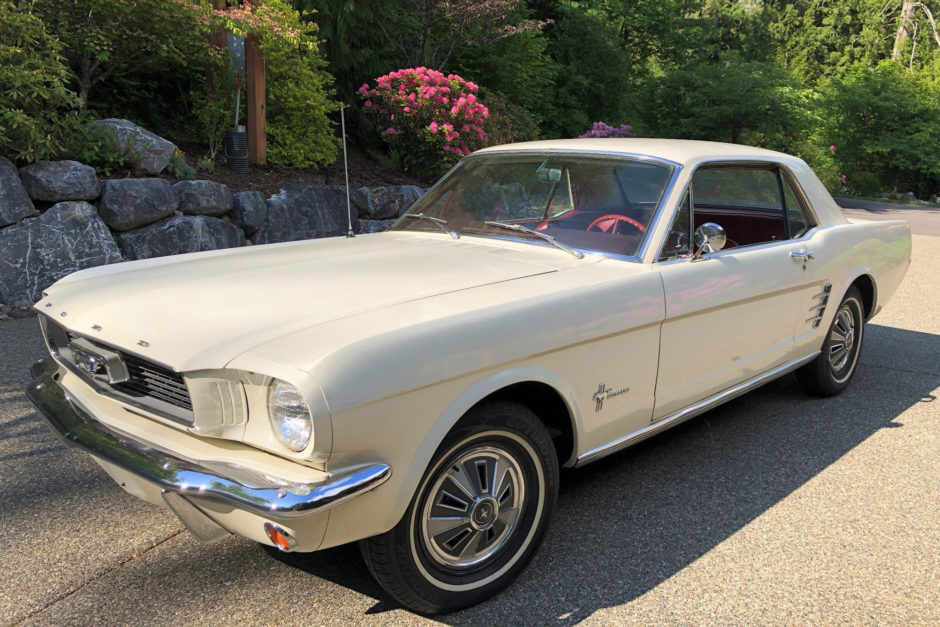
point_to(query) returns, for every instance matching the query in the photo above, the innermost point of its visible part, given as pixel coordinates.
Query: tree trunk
(907, 13)
(255, 106)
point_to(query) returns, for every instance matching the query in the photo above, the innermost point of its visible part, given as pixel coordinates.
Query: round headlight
(289, 415)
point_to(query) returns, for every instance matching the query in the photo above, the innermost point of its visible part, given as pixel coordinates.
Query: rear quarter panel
(845, 252)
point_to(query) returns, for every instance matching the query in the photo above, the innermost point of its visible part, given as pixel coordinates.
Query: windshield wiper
(548, 238)
(440, 223)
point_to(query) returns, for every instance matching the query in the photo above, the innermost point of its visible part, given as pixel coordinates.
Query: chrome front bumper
(241, 487)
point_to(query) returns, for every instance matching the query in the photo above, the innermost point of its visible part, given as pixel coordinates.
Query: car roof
(682, 151)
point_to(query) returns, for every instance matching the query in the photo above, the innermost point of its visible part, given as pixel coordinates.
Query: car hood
(200, 310)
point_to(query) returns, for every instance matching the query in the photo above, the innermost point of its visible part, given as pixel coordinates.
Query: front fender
(445, 404)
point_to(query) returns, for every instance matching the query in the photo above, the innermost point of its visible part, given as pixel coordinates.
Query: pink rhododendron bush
(428, 118)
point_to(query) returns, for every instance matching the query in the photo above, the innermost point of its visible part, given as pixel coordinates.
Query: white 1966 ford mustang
(544, 305)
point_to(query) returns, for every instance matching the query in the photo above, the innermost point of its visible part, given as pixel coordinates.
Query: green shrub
(593, 79)
(733, 100)
(299, 132)
(99, 147)
(34, 98)
(178, 168)
(518, 67)
(205, 164)
(213, 112)
(507, 122)
(885, 124)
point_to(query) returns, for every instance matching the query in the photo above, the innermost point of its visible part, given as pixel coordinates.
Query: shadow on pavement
(623, 525)
(631, 521)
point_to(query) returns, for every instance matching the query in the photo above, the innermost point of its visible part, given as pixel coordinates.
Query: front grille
(150, 386)
(150, 379)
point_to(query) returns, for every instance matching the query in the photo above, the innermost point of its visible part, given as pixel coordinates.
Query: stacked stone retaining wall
(56, 217)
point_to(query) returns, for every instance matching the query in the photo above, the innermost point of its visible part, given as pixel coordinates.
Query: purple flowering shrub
(431, 118)
(603, 129)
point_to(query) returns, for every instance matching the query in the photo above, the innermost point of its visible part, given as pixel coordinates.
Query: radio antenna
(342, 121)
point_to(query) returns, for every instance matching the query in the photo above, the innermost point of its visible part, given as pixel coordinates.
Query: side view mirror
(709, 238)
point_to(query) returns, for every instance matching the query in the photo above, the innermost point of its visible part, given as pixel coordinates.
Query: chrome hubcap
(841, 339)
(473, 507)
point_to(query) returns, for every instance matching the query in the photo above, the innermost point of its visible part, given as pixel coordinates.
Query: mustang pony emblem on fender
(603, 393)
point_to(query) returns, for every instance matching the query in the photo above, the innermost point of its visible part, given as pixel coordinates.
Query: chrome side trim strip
(243, 488)
(690, 412)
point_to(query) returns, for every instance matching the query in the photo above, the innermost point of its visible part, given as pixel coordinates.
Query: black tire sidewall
(818, 377)
(856, 308)
(520, 433)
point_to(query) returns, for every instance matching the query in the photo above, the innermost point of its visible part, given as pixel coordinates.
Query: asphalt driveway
(773, 509)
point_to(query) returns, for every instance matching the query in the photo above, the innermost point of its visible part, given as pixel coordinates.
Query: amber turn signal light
(281, 539)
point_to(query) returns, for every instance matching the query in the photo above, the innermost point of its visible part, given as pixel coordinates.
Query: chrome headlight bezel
(290, 416)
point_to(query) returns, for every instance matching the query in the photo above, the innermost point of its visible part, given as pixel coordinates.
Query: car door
(731, 315)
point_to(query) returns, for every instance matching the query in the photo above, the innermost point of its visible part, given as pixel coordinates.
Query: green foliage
(178, 168)
(507, 121)
(593, 80)
(205, 164)
(298, 92)
(34, 96)
(354, 54)
(213, 112)
(99, 147)
(106, 39)
(732, 101)
(817, 40)
(518, 67)
(885, 124)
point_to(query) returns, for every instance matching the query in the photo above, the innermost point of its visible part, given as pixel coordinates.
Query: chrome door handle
(801, 255)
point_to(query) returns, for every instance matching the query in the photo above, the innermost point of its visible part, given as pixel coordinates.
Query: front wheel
(831, 372)
(477, 517)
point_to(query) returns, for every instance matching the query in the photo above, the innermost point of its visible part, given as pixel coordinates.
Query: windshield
(603, 204)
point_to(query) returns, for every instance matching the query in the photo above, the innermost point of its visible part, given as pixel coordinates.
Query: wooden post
(218, 40)
(254, 71)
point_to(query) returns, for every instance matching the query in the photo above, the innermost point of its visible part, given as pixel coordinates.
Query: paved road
(923, 220)
(774, 509)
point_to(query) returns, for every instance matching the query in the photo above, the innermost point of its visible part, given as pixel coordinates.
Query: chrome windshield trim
(690, 412)
(244, 488)
(657, 217)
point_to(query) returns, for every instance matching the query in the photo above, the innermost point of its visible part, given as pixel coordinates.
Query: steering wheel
(611, 222)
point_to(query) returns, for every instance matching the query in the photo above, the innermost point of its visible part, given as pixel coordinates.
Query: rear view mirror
(553, 175)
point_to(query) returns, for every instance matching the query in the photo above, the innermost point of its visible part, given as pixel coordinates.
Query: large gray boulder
(249, 210)
(374, 226)
(130, 203)
(14, 201)
(305, 211)
(55, 181)
(37, 252)
(180, 234)
(383, 203)
(204, 198)
(150, 152)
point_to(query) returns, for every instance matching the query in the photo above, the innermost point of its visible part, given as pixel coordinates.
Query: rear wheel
(831, 372)
(477, 517)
